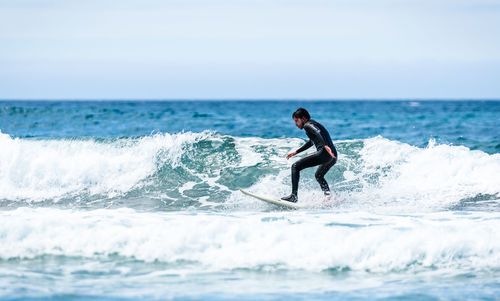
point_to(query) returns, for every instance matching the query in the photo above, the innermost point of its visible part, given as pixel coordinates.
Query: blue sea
(140, 200)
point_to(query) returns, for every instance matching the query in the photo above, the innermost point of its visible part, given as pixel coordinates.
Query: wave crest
(355, 241)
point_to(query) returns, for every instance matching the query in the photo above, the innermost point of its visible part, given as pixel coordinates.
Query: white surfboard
(273, 201)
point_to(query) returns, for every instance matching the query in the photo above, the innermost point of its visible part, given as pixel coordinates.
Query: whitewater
(158, 214)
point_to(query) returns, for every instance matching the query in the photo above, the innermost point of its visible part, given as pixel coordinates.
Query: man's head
(301, 116)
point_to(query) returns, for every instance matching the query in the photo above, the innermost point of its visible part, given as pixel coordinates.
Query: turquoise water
(139, 200)
(468, 123)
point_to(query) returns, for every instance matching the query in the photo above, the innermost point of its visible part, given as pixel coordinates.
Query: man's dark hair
(301, 113)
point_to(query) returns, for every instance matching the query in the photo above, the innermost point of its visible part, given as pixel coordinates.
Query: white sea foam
(297, 240)
(41, 169)
(433, 177)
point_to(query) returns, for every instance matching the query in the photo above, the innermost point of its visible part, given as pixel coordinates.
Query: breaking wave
(205, 170)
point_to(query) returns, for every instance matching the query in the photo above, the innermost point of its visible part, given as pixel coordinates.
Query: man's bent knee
(319, 176)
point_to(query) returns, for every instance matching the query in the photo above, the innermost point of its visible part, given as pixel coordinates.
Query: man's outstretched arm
(307, 145)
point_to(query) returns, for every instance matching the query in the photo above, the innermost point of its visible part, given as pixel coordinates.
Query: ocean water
(128, 200)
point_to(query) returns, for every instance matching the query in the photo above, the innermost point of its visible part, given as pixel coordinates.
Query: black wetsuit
(318, 136)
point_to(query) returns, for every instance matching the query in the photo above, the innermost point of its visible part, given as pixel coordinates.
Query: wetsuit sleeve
(315, 135)
(307, 145)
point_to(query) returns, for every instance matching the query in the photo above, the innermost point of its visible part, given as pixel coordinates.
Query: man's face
(299, 122)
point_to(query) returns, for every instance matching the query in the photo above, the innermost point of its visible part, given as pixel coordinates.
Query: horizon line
(247, 99)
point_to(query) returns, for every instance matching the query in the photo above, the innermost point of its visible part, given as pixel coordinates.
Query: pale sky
(249, 49)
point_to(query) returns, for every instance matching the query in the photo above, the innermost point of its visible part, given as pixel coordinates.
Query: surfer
(325, 155)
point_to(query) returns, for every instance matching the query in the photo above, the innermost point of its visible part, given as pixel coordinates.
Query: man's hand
(329, 150)
(291, 155)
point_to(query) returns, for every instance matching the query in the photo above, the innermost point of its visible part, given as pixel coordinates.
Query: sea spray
(344, 240)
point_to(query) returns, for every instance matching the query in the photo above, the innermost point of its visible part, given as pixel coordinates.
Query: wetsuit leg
(313, 159)
(320, 175)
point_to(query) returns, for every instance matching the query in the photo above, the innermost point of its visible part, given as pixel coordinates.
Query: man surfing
(325, 155)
